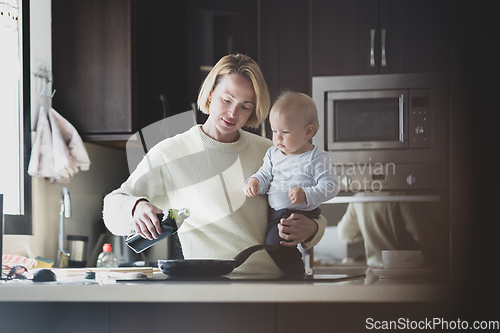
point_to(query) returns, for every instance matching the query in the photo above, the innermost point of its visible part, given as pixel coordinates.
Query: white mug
(402, 259)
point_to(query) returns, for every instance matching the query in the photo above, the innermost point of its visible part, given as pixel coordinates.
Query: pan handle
(242, 256)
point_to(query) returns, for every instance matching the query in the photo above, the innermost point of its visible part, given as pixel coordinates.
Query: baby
(296, 175)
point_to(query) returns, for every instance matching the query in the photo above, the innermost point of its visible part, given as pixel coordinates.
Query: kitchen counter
(240, 289)
(240, 305)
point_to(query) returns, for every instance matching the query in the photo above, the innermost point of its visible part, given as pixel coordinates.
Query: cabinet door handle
(384, 61)
(372, 47)
(401, 119)
(164, 104)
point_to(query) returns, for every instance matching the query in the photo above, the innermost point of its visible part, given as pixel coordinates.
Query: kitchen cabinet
(116, 61)
(284, 55)
(355, 37)
(284, 45)
(122, 65)
(216, 28)
(118, 65)
(190, 317)
(217, 306)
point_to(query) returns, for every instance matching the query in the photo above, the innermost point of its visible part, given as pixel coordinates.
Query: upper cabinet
(284, 45)
(92, 56)
(118, 65)
(214, 29)
(378, 37)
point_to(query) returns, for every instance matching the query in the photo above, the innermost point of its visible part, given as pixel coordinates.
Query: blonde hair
(303, 105)
(246, 67)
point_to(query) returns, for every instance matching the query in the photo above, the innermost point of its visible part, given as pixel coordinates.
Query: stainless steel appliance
(125, 255)
(384, 132)
(388, 134)
(77, 246)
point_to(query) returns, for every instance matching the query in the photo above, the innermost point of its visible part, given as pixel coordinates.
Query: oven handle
(372, 47)
(385, 198)
(401, 119)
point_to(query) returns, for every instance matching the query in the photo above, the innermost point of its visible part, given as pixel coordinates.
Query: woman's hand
(146, 222)
(296, 229)
(251, 188)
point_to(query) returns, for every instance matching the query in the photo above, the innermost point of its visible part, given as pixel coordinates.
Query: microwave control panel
(419, 118)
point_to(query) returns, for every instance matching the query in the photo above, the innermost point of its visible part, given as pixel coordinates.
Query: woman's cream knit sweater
(192, 170)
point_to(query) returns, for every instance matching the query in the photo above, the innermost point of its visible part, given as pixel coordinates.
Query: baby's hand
(297, 195)
(251, 188)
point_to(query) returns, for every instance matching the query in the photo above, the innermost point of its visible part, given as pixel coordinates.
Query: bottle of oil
(170, 221)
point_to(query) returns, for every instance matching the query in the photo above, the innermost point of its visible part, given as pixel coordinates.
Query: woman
(204, 169)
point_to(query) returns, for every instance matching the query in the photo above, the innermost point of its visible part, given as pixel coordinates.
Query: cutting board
(81, 271)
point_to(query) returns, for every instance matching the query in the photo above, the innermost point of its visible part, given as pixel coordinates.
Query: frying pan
(209, 267)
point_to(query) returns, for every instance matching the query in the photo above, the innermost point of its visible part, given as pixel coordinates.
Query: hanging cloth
(58, 151)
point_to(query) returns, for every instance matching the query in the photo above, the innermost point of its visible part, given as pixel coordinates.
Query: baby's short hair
(302, 104)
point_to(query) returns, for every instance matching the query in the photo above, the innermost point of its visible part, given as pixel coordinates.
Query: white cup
(402, 259)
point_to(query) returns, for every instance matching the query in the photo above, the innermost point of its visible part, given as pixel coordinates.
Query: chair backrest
(142, 141)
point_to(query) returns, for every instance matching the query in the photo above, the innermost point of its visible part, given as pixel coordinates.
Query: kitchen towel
(11, 260)
(58, 150)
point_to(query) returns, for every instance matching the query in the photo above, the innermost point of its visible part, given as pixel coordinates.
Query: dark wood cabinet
(120, 65)
(284, 55)
(214, 29)
(114, 61)
(379, 37)
(417, 35)
(160, 63)
(92, 56)
(341, 36)
(284, 45)
(274, 33)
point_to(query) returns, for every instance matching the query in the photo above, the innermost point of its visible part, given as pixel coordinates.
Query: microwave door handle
(372, 47)
(384, 60)
(401, 119)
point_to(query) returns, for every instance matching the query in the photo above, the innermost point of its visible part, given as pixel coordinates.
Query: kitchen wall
(107, 171)
(87, 189)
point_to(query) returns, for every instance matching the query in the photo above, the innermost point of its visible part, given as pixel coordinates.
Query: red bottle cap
(107, 247)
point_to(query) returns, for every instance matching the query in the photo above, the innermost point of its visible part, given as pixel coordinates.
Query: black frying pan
(209, 267)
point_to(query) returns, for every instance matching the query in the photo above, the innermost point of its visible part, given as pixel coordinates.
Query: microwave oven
(398, 118)
(385, 122)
